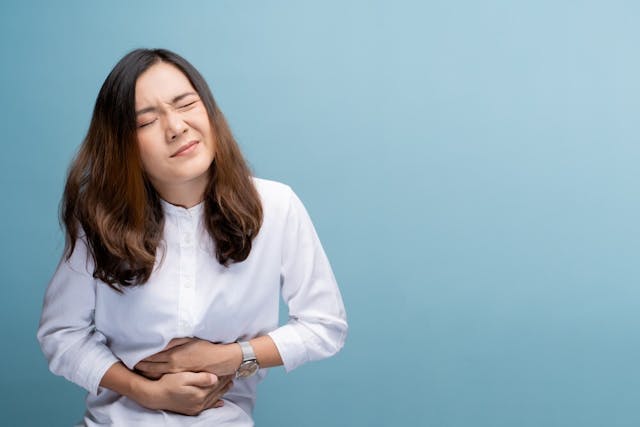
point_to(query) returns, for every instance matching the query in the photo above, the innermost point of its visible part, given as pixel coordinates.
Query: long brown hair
(108, 196)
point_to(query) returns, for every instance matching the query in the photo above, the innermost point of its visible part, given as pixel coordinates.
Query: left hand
(193, 355)
(187, 393)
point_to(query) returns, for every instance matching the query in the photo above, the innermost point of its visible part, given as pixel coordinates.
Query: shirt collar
(179, 211)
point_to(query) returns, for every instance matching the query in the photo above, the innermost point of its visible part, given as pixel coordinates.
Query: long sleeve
(67, 335)
(317, 325)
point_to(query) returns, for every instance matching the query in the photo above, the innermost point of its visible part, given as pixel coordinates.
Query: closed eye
(189, 104)
(141, 125)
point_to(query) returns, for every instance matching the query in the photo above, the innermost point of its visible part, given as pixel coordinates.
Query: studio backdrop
(472, 169)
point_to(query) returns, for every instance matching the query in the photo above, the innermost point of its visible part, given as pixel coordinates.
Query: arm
(196, 355)
(187, 393)
(67, 335)
(317, 324)
(77, 351)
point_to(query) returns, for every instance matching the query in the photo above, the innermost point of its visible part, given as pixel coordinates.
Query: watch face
(247, 369)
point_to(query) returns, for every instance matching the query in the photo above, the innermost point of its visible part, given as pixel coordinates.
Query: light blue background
(472, 169)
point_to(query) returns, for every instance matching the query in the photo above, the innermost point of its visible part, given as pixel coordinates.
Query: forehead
(161, 83)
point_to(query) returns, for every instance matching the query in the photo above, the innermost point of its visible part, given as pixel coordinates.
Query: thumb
(202, 379)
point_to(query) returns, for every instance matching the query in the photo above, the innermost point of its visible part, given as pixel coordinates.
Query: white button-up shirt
(86, 326)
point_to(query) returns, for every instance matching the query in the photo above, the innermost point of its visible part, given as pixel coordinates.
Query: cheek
(211, 137)
(149, 154)
(200, 121)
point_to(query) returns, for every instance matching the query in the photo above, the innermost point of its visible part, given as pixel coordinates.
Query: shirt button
(188, 283)
(186, 238)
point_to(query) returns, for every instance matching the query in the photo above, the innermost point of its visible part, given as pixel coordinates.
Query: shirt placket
(186, 277)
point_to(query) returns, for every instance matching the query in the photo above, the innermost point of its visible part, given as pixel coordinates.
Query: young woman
(165, 305)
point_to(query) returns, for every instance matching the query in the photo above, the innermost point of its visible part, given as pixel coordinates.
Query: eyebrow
(174, 101)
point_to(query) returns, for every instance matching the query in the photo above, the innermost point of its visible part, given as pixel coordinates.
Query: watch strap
(247, 351)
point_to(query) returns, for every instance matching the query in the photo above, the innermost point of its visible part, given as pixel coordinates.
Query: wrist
(144, 391)
(234, 357)
(249, 363)
(225, 359)
(129, 383)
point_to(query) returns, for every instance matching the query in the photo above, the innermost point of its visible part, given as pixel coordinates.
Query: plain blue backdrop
(472, 169)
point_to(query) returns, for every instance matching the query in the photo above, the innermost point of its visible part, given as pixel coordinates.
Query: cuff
(290, 345)
(91, 370)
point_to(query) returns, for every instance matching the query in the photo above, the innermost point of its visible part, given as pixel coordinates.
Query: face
(175, 137)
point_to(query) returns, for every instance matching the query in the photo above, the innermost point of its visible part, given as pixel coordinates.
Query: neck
(184, 202)
(186, 195)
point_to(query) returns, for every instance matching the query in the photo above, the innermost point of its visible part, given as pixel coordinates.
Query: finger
(177, 341)
(213, 402)
(227, 378)
(153, 368)
(214, 399)
(149, 375)
(139, 366)
(222, 381)
(200, 379)
(227, 387)
(163, 356)
(158, 357)
(220, 391)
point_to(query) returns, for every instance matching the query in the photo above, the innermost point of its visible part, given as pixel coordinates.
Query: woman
(165, 305)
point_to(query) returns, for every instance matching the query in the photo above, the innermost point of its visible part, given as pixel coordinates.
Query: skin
(170, 117)
(190, 375)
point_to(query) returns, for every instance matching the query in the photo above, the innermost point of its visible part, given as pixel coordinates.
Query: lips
(184, 148)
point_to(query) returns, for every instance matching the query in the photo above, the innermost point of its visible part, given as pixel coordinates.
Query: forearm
(187, 393)
(227, 361)
(266, 352)
(127, 383)
(198, 355)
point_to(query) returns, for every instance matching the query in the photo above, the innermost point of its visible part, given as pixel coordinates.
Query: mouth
(186, 148)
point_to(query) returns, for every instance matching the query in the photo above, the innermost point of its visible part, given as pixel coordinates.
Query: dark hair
(108, 196)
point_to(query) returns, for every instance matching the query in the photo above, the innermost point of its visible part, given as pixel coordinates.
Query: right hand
(187, 393)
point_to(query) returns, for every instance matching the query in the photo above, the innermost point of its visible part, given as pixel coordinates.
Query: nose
(175, 127)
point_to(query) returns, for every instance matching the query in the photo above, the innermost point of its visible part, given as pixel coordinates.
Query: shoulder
(278, 200)
(273, 192)
(78, 256)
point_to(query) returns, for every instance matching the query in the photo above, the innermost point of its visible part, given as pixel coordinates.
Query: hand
(192, 355)
(187, 393)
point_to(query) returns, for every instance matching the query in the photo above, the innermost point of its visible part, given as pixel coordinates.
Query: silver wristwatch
(249, 365)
